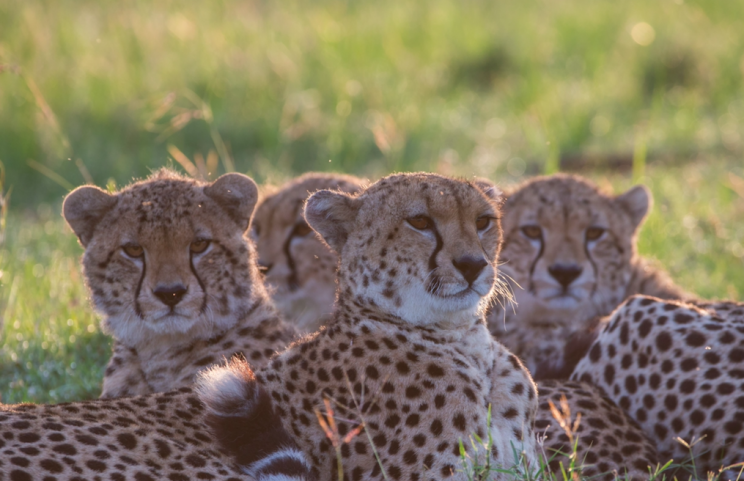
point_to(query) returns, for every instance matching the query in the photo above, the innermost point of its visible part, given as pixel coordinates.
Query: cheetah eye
(133, 250)
(301, 229)
(594, 233)
(255, 231)
(532, 231)
(420, 222)
(483, 222)
(199, 246)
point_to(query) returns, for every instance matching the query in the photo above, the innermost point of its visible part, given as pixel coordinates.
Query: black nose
(170, 295)
(470, 267)
(565, 273)
(263, 267)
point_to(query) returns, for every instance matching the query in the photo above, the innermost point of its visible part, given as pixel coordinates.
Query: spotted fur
(169, 268)
(299, 269)
(571, 257)
(678, 370)
(144, 438)
(609, 442)
(407, 352)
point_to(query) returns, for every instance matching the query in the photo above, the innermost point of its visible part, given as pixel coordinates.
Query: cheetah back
(676, 369)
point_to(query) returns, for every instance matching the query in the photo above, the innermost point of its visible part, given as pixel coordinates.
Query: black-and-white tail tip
(241, 417)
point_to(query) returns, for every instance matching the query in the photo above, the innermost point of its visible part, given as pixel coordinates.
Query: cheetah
(171, 271)
(609, 442)
(677, 369)
(142, 438)
(570, 256)
(299, 270)
(157, 435)
(407, 358)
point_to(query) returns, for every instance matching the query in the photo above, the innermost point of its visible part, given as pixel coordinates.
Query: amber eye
(532, 231)
(133, 250)
(420, 222)
(199, 246)
(482, 223)
(301, 229)
(594, 233)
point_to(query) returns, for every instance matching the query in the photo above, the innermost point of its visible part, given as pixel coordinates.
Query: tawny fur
(677, 369)
(144, 438)
(299, 269)
(608, 441)
(549, 225)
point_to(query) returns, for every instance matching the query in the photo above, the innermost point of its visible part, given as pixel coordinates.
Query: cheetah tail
(241, 418)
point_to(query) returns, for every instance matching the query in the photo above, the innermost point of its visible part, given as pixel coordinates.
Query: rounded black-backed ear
(636, 202)
(332, 214)
(489, 189)
(237, 194)
(84, 208)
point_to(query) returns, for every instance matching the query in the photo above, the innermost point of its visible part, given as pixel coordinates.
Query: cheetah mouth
(562, 296)
(462, 294)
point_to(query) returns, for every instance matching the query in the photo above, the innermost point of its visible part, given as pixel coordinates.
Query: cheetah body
(144, 438)
(677, 369)
(609, 441)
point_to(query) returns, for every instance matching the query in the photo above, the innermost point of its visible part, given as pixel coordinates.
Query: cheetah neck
(348, 306)
(447, 331)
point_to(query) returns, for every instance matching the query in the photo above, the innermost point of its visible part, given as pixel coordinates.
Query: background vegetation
(102, 92)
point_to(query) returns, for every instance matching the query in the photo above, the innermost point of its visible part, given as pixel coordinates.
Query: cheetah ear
(237, 194)
(636, 202)
(84, 208)
(332, 214)
(488, 189)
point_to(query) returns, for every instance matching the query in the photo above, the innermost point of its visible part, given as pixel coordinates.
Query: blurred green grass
(96, 91)
(373, 86)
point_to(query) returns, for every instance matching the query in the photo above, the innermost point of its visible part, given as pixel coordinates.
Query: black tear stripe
(433, 258)
(104, 264)
(594, 269)
(203, 307)
(534, 263)
(137, 309)
(292, 279)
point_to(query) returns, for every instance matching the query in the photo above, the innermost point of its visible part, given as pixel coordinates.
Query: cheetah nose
(170, 295)
(470, 267)
(565, 273)
(263, 267)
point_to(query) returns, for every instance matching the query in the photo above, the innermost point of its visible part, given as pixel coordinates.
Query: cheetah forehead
(441, 195)
(560, 199)
(163, 200)
(283, 206)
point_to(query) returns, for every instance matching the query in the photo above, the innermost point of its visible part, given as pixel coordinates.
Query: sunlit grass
(491, 87)
(51, 349)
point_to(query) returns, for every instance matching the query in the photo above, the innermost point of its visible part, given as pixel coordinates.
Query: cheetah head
(421, 247)
(299, 269)
(570, 247)
(167, 255)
